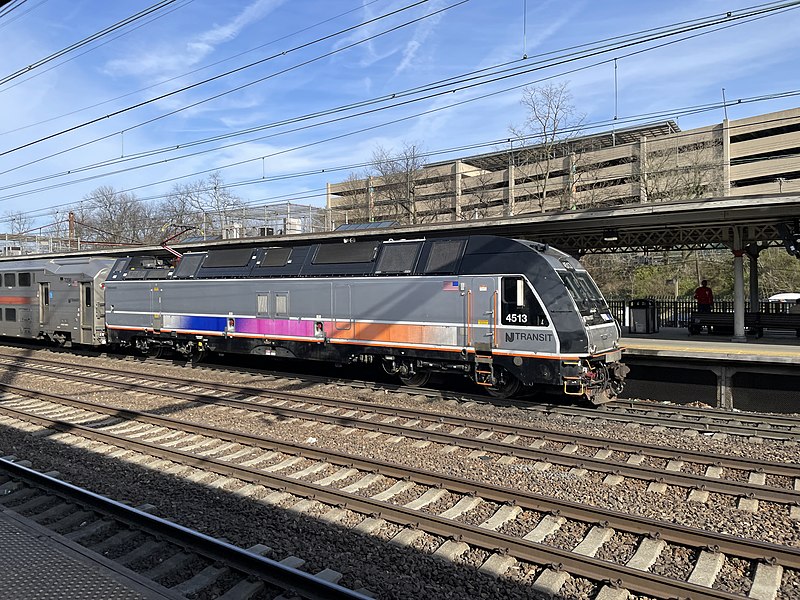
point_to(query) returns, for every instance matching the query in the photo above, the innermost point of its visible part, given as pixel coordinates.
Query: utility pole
(71, 236)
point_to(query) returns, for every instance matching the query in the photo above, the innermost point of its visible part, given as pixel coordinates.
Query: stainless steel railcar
(59, 300)
(507, 313)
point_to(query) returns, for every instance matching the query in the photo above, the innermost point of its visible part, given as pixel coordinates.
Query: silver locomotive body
(507, 313)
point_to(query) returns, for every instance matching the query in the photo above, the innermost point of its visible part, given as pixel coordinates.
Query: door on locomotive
(481, 313)
(342, 307)
(482, 304)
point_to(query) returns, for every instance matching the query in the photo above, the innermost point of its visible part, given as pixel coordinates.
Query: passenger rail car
(58, 300)
(506, 313)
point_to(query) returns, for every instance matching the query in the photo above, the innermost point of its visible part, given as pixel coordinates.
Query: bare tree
(551, 123)
(206, 204)
(692, 170)
(481, 195)
(396, 177)
(18, 222)
(106, 215)
(359, 208)
(439, 201)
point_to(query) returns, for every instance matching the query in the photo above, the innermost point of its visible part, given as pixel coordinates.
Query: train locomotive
(509, 314)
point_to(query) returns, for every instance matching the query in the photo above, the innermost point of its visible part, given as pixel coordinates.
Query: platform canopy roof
(682, 225)
(496, 161)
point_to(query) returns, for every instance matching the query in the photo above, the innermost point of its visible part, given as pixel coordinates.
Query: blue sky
(210, 37)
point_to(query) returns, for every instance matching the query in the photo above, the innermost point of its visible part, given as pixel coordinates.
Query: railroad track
(700, 473)
(642, 412)
(156, 550)
(230, 455)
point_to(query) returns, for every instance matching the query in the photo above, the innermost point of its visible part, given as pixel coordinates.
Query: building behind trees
(648, 163)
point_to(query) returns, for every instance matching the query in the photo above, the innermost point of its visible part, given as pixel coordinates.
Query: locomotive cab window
(519, 306)
(583, 291)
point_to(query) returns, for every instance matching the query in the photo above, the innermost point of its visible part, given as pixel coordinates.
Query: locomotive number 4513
(516, 318)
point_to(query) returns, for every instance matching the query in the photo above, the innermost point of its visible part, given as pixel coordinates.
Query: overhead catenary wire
(9, 6)
(465, 79)
(73, 56)
(362, 130)
(87, 40)
(215, 168)
(176, 77)
(219, 76)
(8, 21)
(321, 192)
(752, 12)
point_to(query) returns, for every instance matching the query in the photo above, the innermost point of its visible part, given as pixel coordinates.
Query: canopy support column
(738, 286)
(754, 305)
(753, 252)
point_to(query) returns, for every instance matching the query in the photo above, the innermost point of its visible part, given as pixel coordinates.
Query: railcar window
(398, 258)
(444, 256)
(583, 290)
(11, 314)
(24, 280)
(9, 279)
(262, 305)
(281, 304)
(590, 286)
(519, 306)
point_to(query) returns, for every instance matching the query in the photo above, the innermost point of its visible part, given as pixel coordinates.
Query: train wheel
(155, 351)
(506, 385)
(417, 379)
(198, 356)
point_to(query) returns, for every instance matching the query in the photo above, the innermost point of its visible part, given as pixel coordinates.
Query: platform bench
(753, 322)
(778, 321)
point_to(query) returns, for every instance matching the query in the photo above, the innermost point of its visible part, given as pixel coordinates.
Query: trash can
(642, 316)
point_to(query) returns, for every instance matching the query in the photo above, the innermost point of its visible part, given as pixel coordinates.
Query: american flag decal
(450, 286)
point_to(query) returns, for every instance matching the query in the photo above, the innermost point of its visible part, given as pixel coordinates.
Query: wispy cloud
(421, 34)
(168, 60)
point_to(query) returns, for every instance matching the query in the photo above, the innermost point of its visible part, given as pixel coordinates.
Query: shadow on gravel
(390, 570)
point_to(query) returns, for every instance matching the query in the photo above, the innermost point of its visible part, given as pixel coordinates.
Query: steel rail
(594, 569)
(686, 480)
(600, 443)
(708, 425)
(711, 413)
(634, 524)
(239, 559)
(717, 417)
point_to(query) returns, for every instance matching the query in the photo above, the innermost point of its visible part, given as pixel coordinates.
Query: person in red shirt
(704, 297)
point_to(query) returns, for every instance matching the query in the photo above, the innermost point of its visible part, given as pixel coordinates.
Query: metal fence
(677, 313)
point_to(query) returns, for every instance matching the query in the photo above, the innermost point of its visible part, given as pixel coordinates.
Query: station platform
(774, 347)
(754, 374)
(37, 564)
